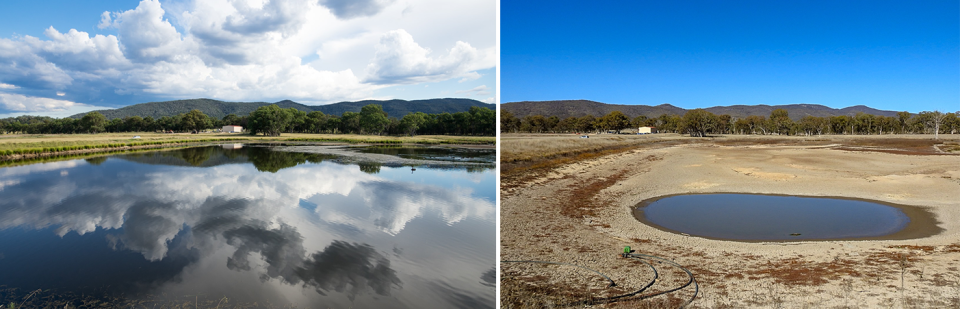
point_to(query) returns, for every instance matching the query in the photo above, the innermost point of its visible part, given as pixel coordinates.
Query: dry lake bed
(573, 207)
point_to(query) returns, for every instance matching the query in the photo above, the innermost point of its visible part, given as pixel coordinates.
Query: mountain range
(580, 108)
(219, 109)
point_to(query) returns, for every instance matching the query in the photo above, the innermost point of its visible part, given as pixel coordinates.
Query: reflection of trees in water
(478, 169)
(263, 159)
(96, 161)
(233, 153)
(266, 160)
(370, 167)
(196, 156)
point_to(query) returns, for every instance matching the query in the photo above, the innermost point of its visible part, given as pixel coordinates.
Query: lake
(754, 217)
(248, 226)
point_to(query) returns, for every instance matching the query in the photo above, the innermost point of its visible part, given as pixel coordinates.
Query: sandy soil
(580, 213)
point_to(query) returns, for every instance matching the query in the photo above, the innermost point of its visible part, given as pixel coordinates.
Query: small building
(232, 129)
(647, 130)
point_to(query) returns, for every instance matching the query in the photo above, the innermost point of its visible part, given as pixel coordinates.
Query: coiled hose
(641, 258)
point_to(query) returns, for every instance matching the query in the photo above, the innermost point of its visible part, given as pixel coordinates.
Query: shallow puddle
(753, 217)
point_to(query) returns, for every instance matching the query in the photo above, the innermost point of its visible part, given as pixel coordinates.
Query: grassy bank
(15, 147)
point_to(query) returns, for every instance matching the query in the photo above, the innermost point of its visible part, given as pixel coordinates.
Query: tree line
(699, 122)
(269, 120)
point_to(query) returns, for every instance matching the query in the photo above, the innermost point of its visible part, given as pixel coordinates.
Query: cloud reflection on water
(255, 213)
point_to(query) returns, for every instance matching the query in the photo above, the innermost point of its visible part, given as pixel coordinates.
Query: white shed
(232, 129)
(647, 130)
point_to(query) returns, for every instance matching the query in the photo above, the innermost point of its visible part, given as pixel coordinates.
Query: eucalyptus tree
(269, 120)
(533, 124)
(935, 120)
(586, 123)
(724, 124)
(373, 119)
(508, 122)
(780, 121)
(413, 121)
(639, 121)
(903, 118)
(839, 124)
(568, 124)
(698, 121)
(315, 121)
(195, 120)
(483, 120)
(615, 120)
(93, 122)
(757, 123)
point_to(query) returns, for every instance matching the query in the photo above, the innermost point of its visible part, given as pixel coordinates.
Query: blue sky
(892, 55)
(61, 57)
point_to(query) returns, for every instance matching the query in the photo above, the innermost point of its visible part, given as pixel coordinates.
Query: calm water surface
(435, 153)
(251, 226)
(769, 217)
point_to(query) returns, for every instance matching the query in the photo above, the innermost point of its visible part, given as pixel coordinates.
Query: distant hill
(580, 108)
(218, 109)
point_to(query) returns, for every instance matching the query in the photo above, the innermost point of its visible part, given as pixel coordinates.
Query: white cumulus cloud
(19, 102)
(253, 50)
(400, 60)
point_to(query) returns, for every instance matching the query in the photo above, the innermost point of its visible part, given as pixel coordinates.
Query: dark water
(435, 153)
(246, 227)
(768, 217)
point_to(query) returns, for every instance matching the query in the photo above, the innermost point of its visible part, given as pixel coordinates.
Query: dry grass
(518, 293)
(532, 147)
(523, 156)
(526, 156)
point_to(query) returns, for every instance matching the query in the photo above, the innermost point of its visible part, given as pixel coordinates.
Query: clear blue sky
(892, 55)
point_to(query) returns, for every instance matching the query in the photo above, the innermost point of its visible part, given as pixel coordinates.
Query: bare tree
(936, 118)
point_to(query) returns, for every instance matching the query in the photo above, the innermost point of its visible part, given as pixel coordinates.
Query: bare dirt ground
(569, 200)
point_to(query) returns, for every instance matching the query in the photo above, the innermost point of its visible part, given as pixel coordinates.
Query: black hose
(656, 275)
(692, 280)
(639, 257)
